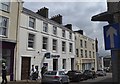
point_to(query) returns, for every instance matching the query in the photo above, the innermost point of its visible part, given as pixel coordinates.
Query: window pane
(54, 44)
(31, 22)
(3, 25)
(31, 40)
(5, 5)
(45, 27)
(45, 42)
(63, 46)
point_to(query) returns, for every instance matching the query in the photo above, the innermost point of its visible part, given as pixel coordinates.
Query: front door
(25, 71)
(55, 64)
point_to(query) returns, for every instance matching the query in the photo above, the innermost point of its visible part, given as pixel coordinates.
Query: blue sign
(112, 36)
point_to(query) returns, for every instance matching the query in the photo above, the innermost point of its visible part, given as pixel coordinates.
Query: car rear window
(61, 73)
(51, 73)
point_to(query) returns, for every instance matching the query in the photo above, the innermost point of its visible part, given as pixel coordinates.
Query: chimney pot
(43, 12)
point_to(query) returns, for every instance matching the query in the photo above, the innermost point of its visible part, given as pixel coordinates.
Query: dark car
(89, 74)
(100, 73)
(75, 75)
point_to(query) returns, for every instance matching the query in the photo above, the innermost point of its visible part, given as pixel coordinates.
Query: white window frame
(85, 53)
(31, 40)
(90, 54)
(85, 44)
(54, 42)
(54, 30)
(81, 43)
(4, 26)
(45, 43)
(5, 6)
(45, 27)
(32, 21)
(63, 33)
(93, 46)
(63, 46)
(81, 51)
(70, 47)
(70, 35)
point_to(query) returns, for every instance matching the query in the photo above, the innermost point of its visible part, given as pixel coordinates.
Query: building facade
(44, 41)
(9, 21)
(85, 52)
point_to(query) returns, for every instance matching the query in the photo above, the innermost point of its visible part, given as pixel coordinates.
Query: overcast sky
(78, 14)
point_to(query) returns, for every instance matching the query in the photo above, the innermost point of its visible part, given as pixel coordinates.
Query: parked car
(100, 73)
(87, 74)
(55, 77)
(75, 75)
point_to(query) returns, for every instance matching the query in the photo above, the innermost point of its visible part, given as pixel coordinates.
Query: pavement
(25, 82)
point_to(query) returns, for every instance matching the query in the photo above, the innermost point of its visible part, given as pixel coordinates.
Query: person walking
(32, 72)
(4, 73)
(43, 70)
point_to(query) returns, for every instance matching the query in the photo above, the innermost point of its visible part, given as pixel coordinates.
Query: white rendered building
(41, 37)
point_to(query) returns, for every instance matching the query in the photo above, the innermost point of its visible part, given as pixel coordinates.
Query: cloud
(79, 15)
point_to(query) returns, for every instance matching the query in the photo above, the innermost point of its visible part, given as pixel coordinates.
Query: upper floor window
(54, 44)
(5, 5)
(93, 54)
(81, 43)
(63, 46)
(90, 54)
(31, 40)
(63, 33)
(31, 22)
(93, 46)
(45, 27)
(54, 30)
(81, 53)
(77, 52)
(3, 26)
(70, 47)
(45, 43)
(85, 44)
(85, 53)
(70, 35)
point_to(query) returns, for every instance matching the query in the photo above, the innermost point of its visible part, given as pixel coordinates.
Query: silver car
(55, 77)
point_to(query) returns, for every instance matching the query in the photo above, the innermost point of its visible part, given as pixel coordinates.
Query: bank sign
(112, 36)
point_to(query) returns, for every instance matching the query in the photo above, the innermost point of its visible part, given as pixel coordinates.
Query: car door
(64, 78)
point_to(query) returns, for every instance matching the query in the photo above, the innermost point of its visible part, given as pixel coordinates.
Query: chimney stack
(57, 18)
(43, 12)
(80, 31)
(69, 26)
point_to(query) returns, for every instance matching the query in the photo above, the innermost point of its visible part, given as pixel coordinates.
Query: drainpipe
(17, 38)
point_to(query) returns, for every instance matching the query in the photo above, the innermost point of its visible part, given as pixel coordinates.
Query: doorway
(25, 68)
(55, 64)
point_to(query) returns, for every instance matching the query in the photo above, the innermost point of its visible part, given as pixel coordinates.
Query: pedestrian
(36, 73)
(32, 72)
(4, 73)
(43, 70)
(93, 73)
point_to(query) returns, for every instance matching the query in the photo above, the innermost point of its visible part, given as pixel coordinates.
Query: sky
(78, 13)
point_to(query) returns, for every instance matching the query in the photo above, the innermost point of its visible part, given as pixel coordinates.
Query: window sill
(30, 49)
(44, 50)
(3, 36)
(54, 51)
